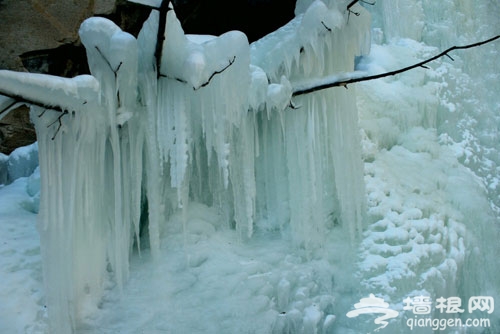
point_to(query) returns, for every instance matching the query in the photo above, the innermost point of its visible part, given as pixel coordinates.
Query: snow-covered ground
(22, 308)
(431, 149)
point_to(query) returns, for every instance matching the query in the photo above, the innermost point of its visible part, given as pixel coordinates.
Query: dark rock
(256, 18)
(16, 130)
(68, 60)
(41, 36)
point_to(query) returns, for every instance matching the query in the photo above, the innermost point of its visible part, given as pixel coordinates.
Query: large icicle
(91, 170)
(320, 144)
(202, 107)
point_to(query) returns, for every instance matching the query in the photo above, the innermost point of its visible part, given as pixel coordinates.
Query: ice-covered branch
(353, 77)
(47, 91)
(12, 101)
(16, 98)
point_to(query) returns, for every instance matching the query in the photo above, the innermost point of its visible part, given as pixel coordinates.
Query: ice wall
(430, 140)
(214, 123)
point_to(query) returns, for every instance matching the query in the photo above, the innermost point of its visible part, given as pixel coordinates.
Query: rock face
(16, 130)
(42, 24)
(256, 18)
(31, 31)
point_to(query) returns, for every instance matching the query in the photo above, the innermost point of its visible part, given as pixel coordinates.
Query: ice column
(309, 171)
(91, 170)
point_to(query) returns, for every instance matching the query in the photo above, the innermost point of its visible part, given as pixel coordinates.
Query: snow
(168, 205)
(22, 162)
(23, 306)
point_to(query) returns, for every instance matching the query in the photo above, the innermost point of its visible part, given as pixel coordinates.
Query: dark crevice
(256, 18)
(67, 61)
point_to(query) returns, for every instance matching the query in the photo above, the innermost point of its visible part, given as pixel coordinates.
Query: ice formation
(430, 167)
(22, 162)
(133, 143)
(248, 194)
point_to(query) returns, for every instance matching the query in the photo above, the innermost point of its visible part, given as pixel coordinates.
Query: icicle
(322, 151)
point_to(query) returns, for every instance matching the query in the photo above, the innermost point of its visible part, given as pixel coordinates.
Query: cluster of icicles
(134, 142)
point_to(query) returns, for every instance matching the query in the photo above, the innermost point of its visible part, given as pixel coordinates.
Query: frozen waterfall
(184, 175)
(213, 124)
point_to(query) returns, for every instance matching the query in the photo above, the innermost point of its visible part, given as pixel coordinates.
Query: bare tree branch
(115, 72)
(326, 27)
(58, 120)
(352, 3)
(356, 78)
(231, 62)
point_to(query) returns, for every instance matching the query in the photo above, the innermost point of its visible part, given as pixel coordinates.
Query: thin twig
(344, 83)
(161, 75)
(231, 62)
(8, 107)
(352, 3)
(65, 112)
(326, 27)
(115, 71)
(291, 105)
(42, 113)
